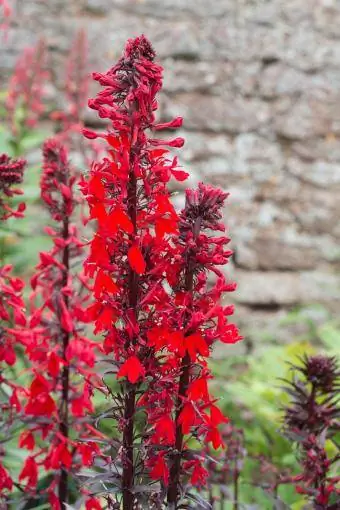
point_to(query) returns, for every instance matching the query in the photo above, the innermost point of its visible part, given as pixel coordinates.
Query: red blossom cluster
(11, 173)
(150, 267)
(156, 289)
(201, 320)
(12, 315)
(62, 357)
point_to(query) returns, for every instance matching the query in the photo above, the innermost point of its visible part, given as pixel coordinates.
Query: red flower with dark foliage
(149, 265)
(132, 248)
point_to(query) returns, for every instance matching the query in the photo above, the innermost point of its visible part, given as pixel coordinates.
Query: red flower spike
(187, 418)
(135, 226)
(199, 475)
(61, 357)
(12, 317)
(160, 325)
(203, 322)
(6, 481)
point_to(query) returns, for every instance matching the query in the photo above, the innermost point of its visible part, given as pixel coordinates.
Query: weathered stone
(275, 253)
(326, 149)
(302, 119)
(327, 18)
(320, 173)
(257, 157)
(214, 113)
(183, 76)
(174, 8)
(258, 86)
(236, 39)
(201, 147)
(317, 211)
(97, 7)
(265, 289)
(279, 79)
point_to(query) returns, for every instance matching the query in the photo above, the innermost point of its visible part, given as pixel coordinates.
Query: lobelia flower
(12, 317)
(200, 319)
(62, 357)
(131, 251)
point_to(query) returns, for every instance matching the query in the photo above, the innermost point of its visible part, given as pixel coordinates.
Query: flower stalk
(62, 358)
(203, 321)
(128, 197)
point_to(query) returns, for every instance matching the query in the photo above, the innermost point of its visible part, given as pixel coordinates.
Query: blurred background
(258, 85)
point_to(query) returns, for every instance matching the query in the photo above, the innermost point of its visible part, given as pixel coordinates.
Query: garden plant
(108, 384)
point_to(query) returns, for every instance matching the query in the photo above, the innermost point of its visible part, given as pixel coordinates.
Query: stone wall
(258, 84)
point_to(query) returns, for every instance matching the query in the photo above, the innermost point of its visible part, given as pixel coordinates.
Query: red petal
(136, 260)
(132, 369)
(160, 470)
(93, 504)
(165, 226)
(96, 187)
(157, 153)
(120, 218)
(180, 175)
(104, 283)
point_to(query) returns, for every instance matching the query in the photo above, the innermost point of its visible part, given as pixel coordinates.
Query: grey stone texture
(258, 85)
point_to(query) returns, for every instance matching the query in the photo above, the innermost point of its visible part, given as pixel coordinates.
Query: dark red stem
(65, 377)
(130, 396)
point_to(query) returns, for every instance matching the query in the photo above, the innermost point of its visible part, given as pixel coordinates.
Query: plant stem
(236, 475)
(65, 378)
(175, 470)
(176, 466)
(130, 397)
